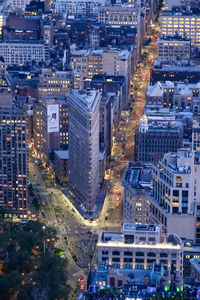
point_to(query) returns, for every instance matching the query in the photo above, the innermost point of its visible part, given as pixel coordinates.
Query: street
(123, 150)
(77, 236)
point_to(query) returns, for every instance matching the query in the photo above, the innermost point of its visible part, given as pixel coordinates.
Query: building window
(151, 254)
(151, 261)
(139, 254)
(128, 259)
(164, 261)
(115, 253)
(151, 239)
(128, 253)
(104, 258)
(116, 259)
(163, 254)
(139, 260)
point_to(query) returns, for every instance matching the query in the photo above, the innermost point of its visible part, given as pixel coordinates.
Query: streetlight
(44, 244)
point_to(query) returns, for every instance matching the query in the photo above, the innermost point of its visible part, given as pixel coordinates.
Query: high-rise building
(13, 157)
(108, 121)
(175, 197)
(83, 112)
(50, 126)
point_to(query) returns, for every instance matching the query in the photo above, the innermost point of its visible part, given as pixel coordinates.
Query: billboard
(53, 118)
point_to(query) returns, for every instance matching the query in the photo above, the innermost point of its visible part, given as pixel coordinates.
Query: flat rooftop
(174, 38)
(140, 227)
(116, 239)
(180, 13)
(137, 176)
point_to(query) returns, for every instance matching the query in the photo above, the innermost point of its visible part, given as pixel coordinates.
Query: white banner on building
(53, 118)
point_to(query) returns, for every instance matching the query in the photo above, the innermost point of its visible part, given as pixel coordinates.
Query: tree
(51, 276)
(24, 262)
(36, 204)
(9, 284)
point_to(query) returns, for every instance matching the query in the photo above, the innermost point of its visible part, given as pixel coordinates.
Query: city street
(77, 236)
(123, 150)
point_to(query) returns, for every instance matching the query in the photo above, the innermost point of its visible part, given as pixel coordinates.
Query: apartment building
(50, 126)
(13, 157)
(175, 196)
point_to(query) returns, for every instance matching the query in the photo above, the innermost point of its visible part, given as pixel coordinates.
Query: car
(42, 203)
(23, 221)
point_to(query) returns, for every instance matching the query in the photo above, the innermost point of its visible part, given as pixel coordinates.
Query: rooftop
(118, 240)
(195, 262)
(179, 162)
(173, 38)
(180, 13)
(155, 90)
(137, 176)
(20, 22)
(62, 154)
(175, 66)
(84, 98)
(140, 227)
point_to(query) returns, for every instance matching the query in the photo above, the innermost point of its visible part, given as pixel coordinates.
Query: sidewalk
(97, 208)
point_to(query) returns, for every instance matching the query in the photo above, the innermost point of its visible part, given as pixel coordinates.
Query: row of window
(139, 260)
(139, 253)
